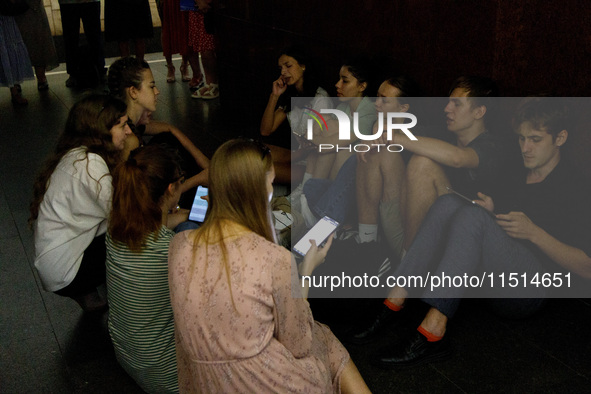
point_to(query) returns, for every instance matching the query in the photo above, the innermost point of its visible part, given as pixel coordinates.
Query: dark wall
(527, 46)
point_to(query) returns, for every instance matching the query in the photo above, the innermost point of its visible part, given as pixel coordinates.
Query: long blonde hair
(237, 194)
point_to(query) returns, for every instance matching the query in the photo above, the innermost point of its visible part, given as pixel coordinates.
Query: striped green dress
(141, 323)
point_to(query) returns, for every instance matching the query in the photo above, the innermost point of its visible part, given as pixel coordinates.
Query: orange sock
(392, 306)
(430, 337)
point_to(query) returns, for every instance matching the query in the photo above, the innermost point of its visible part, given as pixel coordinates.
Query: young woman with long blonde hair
(241, 322)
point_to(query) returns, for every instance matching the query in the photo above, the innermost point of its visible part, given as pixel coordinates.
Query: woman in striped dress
(146, 188)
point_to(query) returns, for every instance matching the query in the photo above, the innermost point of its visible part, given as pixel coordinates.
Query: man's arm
(157, 127)
(518, 225)
(440, 151)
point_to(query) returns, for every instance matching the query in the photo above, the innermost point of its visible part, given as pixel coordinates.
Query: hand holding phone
(315, 256)
(199, 208)
(472, 201)
(319, 233)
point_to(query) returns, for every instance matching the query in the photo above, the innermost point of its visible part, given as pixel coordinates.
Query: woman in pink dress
(241, 322)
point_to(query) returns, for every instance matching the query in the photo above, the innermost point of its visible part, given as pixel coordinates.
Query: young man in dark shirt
(470, 165)
(542, 226)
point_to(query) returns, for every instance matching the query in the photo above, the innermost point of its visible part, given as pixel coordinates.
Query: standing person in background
(15, 66)
(89, 11)
(127, 20)
(201, 41)
(174, 37)
(36, 34)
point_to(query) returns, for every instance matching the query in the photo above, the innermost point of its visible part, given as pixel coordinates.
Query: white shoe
(309, 218)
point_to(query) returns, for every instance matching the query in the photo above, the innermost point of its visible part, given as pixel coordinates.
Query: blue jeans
(457, 239)
(184, 226)
(333, 198)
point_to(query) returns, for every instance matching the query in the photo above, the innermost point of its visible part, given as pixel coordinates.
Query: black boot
(414, 350)
(368, 333)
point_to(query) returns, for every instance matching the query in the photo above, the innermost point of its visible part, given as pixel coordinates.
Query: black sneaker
(415, 350)
(385, 318)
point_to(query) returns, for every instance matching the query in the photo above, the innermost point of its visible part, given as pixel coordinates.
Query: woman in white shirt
(72, 200)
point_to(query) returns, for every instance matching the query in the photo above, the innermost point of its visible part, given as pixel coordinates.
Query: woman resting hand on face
(296, 80)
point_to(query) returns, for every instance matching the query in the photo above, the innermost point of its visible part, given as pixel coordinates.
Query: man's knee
(421, 169)
(469, 215)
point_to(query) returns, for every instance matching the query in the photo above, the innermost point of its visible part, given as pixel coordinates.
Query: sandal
(42, 85)
(211, 93)
(185, 73)
(199, 92)
(196, 83)
(170, 78)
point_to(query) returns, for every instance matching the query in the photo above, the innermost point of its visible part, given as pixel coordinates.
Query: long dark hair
(310, 76)
(89, 124)
(124, 73)
(139, 184)
(364, 70)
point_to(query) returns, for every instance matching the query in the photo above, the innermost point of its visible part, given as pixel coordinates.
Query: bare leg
(380, 178)
(352, 381)
(185, 69)
(193, 59)
(397, 296)
(210, 66)
(170, 74)
(323, 164)
(140, 48)
(40, 74)
(425, 181)
(124, 48)
(284, 171)
(168, 60)
(435, 322)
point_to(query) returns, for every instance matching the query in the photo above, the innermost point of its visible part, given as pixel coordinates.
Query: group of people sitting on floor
(219, 307)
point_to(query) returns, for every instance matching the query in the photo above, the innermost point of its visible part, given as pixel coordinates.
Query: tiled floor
(48, 345)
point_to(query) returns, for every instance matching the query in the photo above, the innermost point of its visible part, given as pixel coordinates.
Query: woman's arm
(176, 218)
(201, 178)
(157, 127)
(273, 116)
(313, 259)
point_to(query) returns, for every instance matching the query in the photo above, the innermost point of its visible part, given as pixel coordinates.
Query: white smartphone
(199, 208)
(319, 233)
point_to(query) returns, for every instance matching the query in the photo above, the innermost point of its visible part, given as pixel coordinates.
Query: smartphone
(460, 195)
(469, 200)
(199, 208)
(319, 233)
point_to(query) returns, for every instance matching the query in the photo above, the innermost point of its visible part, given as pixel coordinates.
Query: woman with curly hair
(72, 200)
